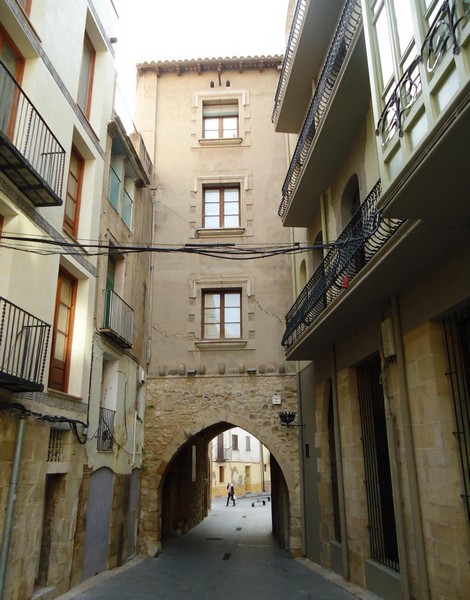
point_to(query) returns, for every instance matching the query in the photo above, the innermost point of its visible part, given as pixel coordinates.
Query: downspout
(339, 466)
(409, 455)
(15, 470)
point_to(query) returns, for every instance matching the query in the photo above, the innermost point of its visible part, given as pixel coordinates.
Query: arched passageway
(186, 489)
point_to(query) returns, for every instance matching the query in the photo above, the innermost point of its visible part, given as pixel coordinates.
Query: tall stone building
(216, 360)
(374, 96)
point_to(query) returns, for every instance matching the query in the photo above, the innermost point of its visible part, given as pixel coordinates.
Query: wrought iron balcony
(105, 437)
(118, 319)
(23, 347)
(30, 155)
(442, 35)
(344, 34)
(357, 245)
(289, 55)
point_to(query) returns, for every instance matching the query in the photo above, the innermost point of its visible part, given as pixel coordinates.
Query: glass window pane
(231, 208)
(232, 315)
(232, 300)
(212, 222)
(60, 347)
(85, 75)
(232, 221)
(211, 128)
(212, 208)
(66, 291)
(231, 195)
(127, 209)
(385, 47)
(232, 331)
(114, 188)
(212, 332)
(403, 19)
(230, 127)
(212, 300)
(212, 315)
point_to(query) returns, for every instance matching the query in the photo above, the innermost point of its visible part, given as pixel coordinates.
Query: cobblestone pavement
(232, 555)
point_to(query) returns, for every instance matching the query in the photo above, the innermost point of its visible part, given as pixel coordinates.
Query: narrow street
(231, 555)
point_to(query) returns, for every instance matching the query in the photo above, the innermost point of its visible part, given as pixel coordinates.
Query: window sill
(221, 142)
(220, 232)
(221, 344)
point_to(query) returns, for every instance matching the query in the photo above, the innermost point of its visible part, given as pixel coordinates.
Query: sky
(158, 30)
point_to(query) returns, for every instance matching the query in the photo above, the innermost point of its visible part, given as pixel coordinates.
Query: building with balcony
(110, 490)
(55, 106)
(238, 457)
(216, 358)
(374, 99)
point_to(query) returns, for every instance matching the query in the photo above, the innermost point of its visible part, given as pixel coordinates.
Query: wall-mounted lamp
(251, 371)
(287, 418)
(191, 372)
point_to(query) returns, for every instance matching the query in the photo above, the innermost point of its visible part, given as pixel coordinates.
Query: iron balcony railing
(359, 242)
(118, 320)
(105, 438)
(344, 34)
(442, 34)
(23, 347)
(30, 154)
(292, 42)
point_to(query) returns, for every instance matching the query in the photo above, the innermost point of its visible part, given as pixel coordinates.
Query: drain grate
(227, 556)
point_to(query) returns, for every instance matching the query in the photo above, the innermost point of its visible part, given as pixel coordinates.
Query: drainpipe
(11, 504)
(409, 455)
(339, 466)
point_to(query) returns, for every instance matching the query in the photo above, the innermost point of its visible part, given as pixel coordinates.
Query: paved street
(230, 556)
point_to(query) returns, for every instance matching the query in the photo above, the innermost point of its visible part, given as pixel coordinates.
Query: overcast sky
(157, 30)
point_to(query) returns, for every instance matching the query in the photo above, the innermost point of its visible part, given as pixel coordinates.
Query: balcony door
(12, 67)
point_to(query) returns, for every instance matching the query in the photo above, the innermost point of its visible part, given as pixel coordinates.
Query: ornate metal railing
(442, 31)
(401, 100)
(344, 34)
(442, 34)
(118, 319)
(359, 242)
(105, 436)
(27, 131)
(292, 42)
(23, 347)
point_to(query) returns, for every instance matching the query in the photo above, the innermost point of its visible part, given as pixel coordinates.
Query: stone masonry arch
(183, 412)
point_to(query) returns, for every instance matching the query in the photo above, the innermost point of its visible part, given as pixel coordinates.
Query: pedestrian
(230, 493)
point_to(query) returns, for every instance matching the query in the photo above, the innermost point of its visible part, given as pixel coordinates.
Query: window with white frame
(221, 118)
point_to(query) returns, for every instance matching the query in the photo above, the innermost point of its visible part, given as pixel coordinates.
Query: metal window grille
(457, 333)
(56, 446)
(378, 482)
(106, 430)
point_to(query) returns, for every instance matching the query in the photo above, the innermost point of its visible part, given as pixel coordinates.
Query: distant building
(374, 97)
(238, 457)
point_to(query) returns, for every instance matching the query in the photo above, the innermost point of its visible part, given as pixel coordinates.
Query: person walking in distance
(230, 493)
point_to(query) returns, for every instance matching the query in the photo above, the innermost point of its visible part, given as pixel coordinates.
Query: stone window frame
(244, 182)
(246, 287)
(241, 97)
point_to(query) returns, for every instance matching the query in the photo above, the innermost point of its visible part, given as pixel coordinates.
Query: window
(248, 443)
(221, 207)
(393, 24)
(74, 188)
(221, 474)
(234, 442)
(86, 76)
(220, 120)
(121, 190)
(221, 318)
(378, 479)
(62, 332)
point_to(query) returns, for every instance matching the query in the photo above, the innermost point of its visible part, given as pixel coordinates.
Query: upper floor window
(86, 76)
(393, 25)
(121, 190)
(62, 332)
(220, 121)
(74, 187)
(221, 207)
(234, 441)
(221, 318)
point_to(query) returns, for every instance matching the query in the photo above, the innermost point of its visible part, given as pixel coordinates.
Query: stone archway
(189, 414)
